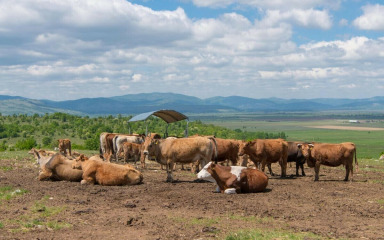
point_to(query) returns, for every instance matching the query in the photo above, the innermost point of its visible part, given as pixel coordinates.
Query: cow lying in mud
(105, 173)
(331, 155)
(59, 168)
(234, 179)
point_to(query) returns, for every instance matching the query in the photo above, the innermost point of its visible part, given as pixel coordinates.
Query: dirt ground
(186, 209)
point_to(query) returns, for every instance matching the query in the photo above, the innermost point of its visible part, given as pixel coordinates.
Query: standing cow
(65, 144)
(180, 150)
(331, 155)
(295, 155)
(120, 139)
(267, 151)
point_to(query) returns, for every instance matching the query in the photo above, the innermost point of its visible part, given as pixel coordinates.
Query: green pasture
(370, 144)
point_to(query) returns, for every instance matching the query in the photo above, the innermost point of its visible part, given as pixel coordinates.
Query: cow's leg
(348, 168)
(317, 170)
(297, 169)
(269, 168)
(170, 165)
(70, 150)
(302, 169)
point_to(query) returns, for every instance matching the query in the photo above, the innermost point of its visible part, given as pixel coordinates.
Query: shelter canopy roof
(169, 116)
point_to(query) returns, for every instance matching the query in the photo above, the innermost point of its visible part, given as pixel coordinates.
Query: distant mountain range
(145, 102)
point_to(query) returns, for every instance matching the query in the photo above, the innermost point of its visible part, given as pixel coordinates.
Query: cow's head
(243, 147)
(305, 149)
(148, 140)
(77, 163)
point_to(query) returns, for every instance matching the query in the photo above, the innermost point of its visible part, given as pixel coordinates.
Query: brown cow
(331, 155)
(241, 180)
(120, 139)
(147, 141)
(131, 150)
(105, 173)
(65, 144)
(267, 151)
(182, 150)
(59, 168)
(227, 149)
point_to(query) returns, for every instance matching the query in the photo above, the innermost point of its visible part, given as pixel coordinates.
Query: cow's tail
(356, 163)
(214, 148)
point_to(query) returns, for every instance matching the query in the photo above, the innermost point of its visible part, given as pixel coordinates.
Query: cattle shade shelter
(169, 116)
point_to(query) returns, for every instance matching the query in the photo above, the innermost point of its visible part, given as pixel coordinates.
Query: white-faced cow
(331, 155)
(235, 179)
(267, 151)
(180, 150)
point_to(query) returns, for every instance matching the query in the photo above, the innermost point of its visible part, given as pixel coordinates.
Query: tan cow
(234, 179)
(120, 139)
(331, 155)
(105, 173)
(59, 168)
(180, 150)
(147, 141)
(267, 151)
(41, 156)
(131, 150)
(65, 144)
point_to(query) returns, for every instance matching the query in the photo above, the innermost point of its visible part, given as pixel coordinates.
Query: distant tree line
(18, 132)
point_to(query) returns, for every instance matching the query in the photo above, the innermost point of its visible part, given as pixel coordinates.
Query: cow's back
(273, 149)
(253, 180)
(186, 149)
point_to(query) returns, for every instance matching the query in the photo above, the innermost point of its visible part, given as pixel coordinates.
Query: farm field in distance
(367, 133)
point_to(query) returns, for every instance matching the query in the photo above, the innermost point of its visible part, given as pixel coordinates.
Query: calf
(106, 173)
(64, 145)
(331, 155)
(131, 150)
(239, 179)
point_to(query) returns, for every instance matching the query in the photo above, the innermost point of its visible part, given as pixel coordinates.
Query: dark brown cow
(227, 149)
(295, 155)
(245, 180)
(331, 155)
(180, 150)
(65, 144)
(267, 151)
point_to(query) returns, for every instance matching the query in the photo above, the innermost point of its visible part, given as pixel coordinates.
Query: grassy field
(369, 142)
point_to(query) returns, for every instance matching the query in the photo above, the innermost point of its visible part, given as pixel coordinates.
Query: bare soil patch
(348, 128)
(185, 209)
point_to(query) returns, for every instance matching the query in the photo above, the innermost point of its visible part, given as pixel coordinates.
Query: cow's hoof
(83, 182)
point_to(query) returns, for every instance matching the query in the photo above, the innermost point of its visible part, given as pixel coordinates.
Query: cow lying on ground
(64, 145)
(59, 168)
(180, 150)
(295, 155)
(331, 155)
(105, 173)
(235, 179)
(267, 151)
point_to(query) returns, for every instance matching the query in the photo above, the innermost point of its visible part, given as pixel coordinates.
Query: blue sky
(70, 49)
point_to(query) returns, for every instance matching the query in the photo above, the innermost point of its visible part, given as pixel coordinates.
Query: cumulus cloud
(372, 18)
(111, 47)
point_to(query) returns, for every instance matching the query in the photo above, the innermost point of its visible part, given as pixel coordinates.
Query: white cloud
(372, 18)
(137, 77)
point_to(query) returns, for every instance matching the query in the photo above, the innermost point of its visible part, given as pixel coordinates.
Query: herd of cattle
(203, 151)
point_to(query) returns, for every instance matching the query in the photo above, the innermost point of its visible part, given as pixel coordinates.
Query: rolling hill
(139, 103)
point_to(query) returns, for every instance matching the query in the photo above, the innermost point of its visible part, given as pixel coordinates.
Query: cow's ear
(311, 146)
(299, 145)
